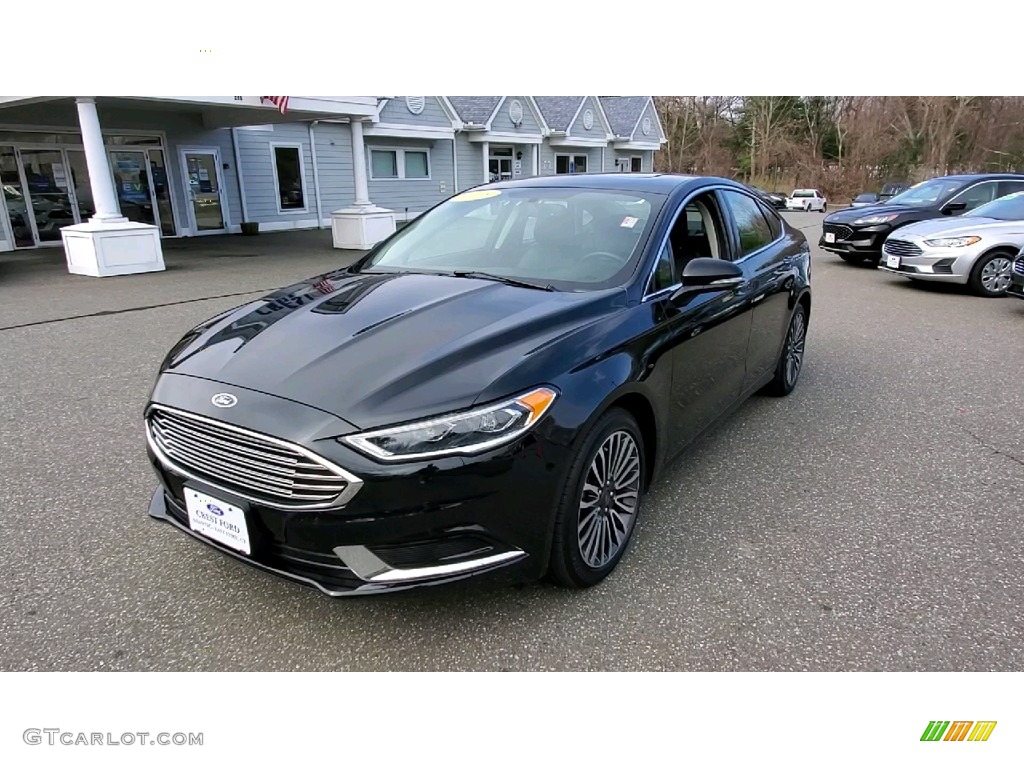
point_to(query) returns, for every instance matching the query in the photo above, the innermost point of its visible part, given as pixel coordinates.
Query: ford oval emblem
(215, 509)
(224, 400)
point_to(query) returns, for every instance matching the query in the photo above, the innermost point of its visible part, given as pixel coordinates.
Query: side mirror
(704, 275)
(950, 208)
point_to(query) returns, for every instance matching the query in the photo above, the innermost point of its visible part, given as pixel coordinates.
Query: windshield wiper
(500, 279)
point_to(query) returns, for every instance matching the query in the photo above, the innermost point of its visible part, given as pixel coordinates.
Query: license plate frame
(830, 237)
(219, 520)
(892, 262)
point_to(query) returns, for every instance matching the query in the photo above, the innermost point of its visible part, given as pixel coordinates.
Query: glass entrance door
(500, 164)
(14, 198)
(49, 198)
(131, 180)
(204, 190)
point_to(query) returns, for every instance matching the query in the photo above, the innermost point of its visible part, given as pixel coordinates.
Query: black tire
(824, 207)
(569, 564)
(980, 282)
(786, 377)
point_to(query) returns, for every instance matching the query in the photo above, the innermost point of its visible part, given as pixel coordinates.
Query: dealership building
(107, 178)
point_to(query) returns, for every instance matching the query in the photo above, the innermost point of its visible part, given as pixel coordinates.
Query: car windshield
(928, 192)
(867, 197)
(803, 193)
(568, 238)
(1009, 208)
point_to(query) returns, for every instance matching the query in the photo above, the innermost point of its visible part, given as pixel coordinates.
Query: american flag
(281, 102)
(324, 287)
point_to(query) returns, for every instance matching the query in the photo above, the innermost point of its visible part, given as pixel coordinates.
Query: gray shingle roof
(474, 109)
(558, 110)
(623, 112)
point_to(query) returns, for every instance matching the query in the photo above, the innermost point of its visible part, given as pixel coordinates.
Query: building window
(570, 163)
(636, 164)
(399, 164)
(291, 192)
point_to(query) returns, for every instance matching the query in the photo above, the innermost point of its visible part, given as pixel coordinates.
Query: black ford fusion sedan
(857, 234)
(493, 388)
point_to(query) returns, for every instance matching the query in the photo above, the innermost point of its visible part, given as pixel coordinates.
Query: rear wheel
(599, 505)
(791, 361)
(824, 207)
(991, 275)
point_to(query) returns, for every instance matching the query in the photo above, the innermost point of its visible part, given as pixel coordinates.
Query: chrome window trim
(682, 206)
(353, 487)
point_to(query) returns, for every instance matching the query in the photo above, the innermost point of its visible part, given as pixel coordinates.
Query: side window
(752, 226)
(774, 222)
(664, 270)
(1009, 187)
(977, 195)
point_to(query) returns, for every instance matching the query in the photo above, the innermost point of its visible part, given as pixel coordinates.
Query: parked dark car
(864, 199)
(857, 234)
(776, 200)
(1017, 277)
(892, 189)
(495, 386)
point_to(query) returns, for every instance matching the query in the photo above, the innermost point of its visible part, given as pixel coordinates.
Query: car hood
(376, 349)
(849, 215)
(962, 225)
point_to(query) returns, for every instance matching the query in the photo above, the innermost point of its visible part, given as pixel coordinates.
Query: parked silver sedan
(977, 250)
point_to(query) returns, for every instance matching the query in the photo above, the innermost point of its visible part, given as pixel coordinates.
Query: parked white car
(976, 249)
(806, 200)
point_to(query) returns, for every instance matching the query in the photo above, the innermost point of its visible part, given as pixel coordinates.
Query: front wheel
(991, 274)
(791, 361)
(598, 508)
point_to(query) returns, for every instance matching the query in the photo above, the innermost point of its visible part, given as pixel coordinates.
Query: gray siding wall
(416, 195)
(261, 191)
(597, 130)
(639, 135)
(396, 112)
(503, 123)
(646, 158)
(334, 165)
(471, 171)
(548, 153)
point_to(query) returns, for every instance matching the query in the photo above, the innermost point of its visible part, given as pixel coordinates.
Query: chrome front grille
(901, 248)
(1018, 266)
(247, 463)
(841, 231)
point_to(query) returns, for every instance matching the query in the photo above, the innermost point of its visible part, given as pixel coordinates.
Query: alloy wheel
(795, 347)
(995, 276)
(608, 504)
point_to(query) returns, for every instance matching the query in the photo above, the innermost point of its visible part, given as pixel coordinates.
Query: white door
(204, 190)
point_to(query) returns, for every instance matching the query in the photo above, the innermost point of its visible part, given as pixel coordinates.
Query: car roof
(656, 183)
(979, 176)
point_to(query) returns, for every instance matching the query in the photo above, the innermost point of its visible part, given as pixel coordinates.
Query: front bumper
(854, 241)
(942, 265)
(410, 524)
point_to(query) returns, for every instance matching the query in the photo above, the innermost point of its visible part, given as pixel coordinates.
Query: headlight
(467, 432)
(878, 218)
(953, 242)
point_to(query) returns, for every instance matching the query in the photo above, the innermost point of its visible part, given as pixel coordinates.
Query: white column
(359, 166)
(103, 194)
(486, 147)
(536, 160)
(364, 224)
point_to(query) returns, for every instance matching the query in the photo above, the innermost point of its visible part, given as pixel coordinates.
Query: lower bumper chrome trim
(370, 568)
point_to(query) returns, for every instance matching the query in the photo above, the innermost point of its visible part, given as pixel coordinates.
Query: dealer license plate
(830, 237)
(892, 262)
(217, 519)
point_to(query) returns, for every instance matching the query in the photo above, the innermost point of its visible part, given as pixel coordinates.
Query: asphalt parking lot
(871, 521)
